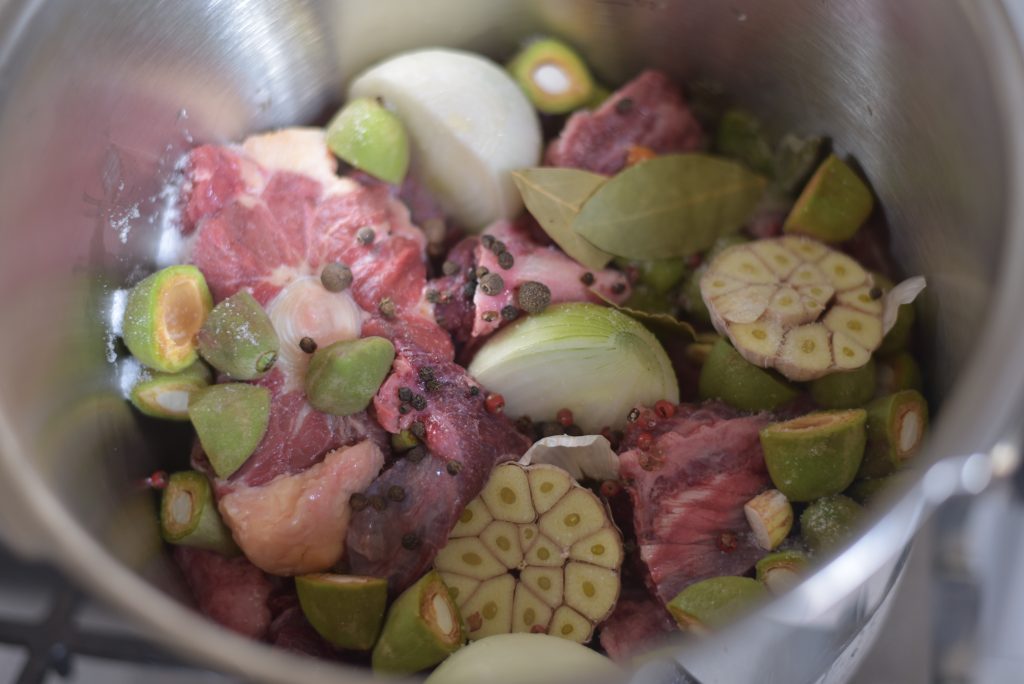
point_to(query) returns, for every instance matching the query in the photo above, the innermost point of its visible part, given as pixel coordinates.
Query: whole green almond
(829, 522)
(815, 455)
(728, 376)
(845, 389)
(238, 338)
(343, 377)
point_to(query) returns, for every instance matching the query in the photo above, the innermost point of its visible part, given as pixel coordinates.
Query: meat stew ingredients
(238, 338)
(553, 76)
(830, 522)
(166, 395)
(342, 378)
(188, 515)
(708, 604)
(782, 570)
(770, 516)
(726, 375)
(896, 426)
(345, 610)
(230, 420)
(845, 389)
(370, 138)
(833, 205)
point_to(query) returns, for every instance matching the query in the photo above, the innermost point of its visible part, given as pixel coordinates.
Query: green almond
(347, 611)
(162, 316)
(166, 395)
(845, 389)
(343, 377)
(833, 205)
(422, 628)
(728, 376)
(670, 206)
(713, 602)
(781, 570)
(740, 136)
(554, 196)
(371, 138)
(230, 420)
(829, 522)
(895, 429)
(189, 517)
(815, 455)
(238, 338)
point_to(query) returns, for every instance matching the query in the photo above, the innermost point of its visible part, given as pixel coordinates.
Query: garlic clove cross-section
(798, 306)
(535, 552)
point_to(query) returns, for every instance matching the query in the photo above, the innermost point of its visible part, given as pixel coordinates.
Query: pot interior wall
(100, 99)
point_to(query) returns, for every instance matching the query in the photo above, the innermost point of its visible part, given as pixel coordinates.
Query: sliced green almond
(343, 377)
(800, 300)
(896, 426)
(706, 605)
(548, 559)
(238, 338)
(728, 376)
(346, 611)
(782, 570)
(502, 539)
(568, 624)
(547, 583)
(547, 486)
(470, 557)
(833, 205)
(472, 521)
(230, 421)
(553, 76)
(829, 522)
(162, 315)
(421, 629)
(507, 496)
(815, 455)
(166, 395)
(847, 389)
(489, 610)
(591, 590)
(601, 548)
(529, 612)
(189, 517)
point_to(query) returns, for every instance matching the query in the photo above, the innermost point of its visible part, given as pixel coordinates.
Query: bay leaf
(665, 327)
(669, 206)
(554, 196)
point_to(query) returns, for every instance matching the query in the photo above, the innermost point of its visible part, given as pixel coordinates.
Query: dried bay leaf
(669, 206)
(554, 196)
(665, 327)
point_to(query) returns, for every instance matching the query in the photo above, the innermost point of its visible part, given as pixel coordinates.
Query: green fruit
(422, 628)
(815, 455)
(897, 373)
(781, 570)
(238, 338)
(230, 420)
(162, 316)
(895, 429)
(347, 611)
(166, 395)
(741, 137)
(343, 377)
(189, 517)
(829, 522)
(728, 376)
(845, 389)
(713, 602)
(833, 205)
(371, 138)
(553, 76)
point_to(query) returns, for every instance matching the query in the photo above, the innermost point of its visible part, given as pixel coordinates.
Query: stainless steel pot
(99, 99)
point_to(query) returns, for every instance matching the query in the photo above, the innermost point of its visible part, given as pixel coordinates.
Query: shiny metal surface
(98, 100)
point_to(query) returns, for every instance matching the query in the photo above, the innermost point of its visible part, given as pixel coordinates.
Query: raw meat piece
(638, 622)
(296, 524)
(649, 111)
(230, 591)
(454, 310)
(400, 541)
(688, 491)
(548, 265)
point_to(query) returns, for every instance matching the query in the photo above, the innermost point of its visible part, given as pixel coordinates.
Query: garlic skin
(469, 124)
(305, 309)
(588, 456)
(903, 293)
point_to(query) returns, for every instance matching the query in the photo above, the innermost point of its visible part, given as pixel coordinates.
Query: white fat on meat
(296, 524)
(300, 150)
(305, 309)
